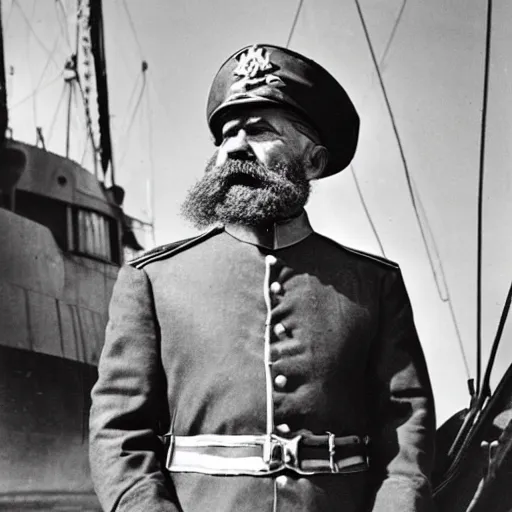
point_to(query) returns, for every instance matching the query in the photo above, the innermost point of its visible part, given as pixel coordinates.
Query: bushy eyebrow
(249, 122)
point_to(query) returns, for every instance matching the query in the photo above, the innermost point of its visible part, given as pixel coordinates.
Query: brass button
(271, 260)
(280, 381)
(275, 287)
(283, 428)
(279, 329)
(281, 480)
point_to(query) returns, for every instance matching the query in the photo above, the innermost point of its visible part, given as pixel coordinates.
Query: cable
(367, 212)
(354, 174)
(55, 46)
(392, 35)
(294, 24)
(124, 125)
(480, 198)
(36, 91)
(485, 388)
(412, 194)
(389, 42)
(446, 297)
(121, 46)
(388, 105)
(34, 102)
(52, 125)
(399, 143)
(6, 25)
(36, 37)
(64, 28)
(130, 20)
(121, 160)
(161, 102)
(151, 192)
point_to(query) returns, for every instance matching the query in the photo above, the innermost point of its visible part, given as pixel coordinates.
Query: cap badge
(253, 63)
(254, 70)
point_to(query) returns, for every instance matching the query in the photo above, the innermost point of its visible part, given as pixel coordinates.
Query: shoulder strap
(375, 257)
(168, 250)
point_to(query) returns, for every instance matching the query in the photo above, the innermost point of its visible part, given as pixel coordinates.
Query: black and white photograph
(255, 256)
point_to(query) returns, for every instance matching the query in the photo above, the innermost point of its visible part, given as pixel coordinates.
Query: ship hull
(45, 403)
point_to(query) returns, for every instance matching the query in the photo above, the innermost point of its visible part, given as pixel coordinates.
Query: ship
(64, 235)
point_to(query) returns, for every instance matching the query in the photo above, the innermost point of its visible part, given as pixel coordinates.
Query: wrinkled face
(258, 175)
(266, 135)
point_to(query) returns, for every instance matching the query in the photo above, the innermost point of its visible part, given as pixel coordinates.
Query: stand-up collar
(275, 236)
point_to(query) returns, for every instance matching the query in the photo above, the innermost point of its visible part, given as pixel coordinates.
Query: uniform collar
(276, 236)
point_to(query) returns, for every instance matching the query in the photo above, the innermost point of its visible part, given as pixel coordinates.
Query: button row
(279, 329)
(283, 428)
(270, 259)
(280, 381)
(282, 481)
(275, 287)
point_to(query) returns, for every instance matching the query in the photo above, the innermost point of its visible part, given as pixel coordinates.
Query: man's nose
(238, 147)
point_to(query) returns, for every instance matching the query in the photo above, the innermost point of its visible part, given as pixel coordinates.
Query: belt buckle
(280, 453)
(291, 453)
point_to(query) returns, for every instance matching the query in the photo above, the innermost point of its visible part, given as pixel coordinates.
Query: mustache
(243, 172)
(246, 192)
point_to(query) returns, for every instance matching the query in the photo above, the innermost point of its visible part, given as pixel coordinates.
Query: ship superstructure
(63, 234)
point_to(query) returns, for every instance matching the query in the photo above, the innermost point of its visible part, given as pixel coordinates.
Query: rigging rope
(354, 174)
(413, 195)
(294, 24)
(36, 91)
(52, 125)
(38, 86)
(64, 28)
(392, 36)
(139, 99)
(132, 25)
(34, 102)
(51, 58)
(485, 387)
(151, 181)
(480, 197)
(6, 25)
(36, 37)
(367, 212)
(124, 125)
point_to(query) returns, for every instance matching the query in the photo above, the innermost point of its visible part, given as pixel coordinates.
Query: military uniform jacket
(184, 348)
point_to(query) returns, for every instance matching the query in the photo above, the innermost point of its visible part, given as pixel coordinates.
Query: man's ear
(316, 162)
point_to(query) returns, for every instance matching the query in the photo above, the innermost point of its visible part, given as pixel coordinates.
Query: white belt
(262, 455)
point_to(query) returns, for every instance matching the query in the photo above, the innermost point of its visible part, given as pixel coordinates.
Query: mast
(3, 89)
(98, 52)
(70, 79)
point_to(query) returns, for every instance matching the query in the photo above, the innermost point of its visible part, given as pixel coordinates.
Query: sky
(432, 63)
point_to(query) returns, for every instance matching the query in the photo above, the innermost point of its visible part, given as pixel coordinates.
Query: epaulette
(357, 252)
(375, 257)
(168, 250)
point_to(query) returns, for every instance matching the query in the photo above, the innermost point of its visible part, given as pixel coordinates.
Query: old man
(261, 366)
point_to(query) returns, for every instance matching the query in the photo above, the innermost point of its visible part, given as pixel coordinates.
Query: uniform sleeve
(126, 454)
(403, 427)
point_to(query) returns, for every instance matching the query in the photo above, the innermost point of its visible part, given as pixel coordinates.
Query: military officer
(261, 366)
